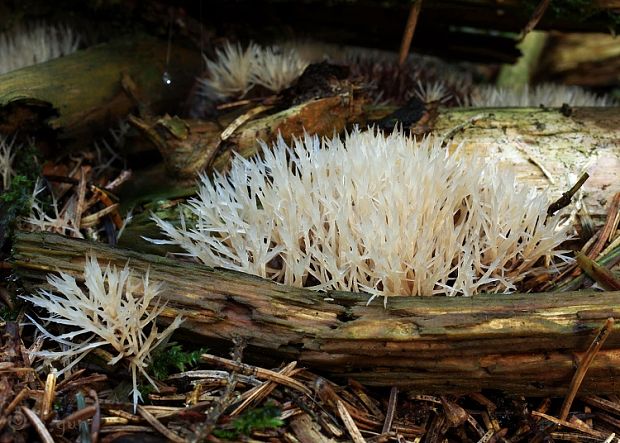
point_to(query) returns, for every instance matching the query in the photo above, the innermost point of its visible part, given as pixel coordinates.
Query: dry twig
(587, 359)
(412, 21)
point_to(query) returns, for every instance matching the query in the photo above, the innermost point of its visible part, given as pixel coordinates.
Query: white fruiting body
(109, 313)
(236, 70)
(60, 222)
(7, 155)
(386, 215)
(230, 74)
(25, 46)
(276, 68)
(432, 92)
(551, 95)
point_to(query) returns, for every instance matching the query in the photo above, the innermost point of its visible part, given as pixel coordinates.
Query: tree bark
(528, 344)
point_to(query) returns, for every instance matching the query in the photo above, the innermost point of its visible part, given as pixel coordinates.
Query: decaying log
(522, 343)
(84, 89)
(324, 117)
(190, 146)
(547, 148)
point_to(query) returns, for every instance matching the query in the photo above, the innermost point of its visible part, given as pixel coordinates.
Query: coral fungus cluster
(235, 70)
(387, 215)
(25, 46)
(117, 310)
(546, 94)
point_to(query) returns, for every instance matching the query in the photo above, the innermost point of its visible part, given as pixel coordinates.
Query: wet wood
(192, 146)
(528, 344)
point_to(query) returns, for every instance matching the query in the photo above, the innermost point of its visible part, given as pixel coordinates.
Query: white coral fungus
(236, 70)
(115, 311)
(60, 222)
(387, 215)
(7, 155)
(546, 94)
(25, 46)
(231, 72)
(276, 68)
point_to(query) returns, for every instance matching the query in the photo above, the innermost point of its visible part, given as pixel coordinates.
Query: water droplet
(166, 78)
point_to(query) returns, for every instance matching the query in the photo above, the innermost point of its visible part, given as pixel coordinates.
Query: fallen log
(548, 148)
(526, 344)
(191, 146)
(82, 93)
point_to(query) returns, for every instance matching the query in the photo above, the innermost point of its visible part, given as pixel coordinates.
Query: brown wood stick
(391, 409)
(412, 21)
(159, 426)
(537, 15)
(608, 228)
(566, 197)
(260, 373)
(570, 425)
(585, 363)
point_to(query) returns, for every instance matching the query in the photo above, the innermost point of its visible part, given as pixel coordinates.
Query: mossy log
(82, 92)
(528, 344)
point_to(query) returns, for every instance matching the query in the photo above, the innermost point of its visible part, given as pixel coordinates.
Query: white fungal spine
(236, 70)
(547, 94)
(387, 215)
(116, 310)
(277, 68)
(25, 46)
(230, 74)
(7, 155)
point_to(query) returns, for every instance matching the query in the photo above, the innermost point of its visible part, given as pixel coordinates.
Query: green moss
(267, 417)
(173, 358)
(8, 314)
(16, 201)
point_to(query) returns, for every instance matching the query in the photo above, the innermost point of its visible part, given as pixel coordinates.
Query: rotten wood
(527, 344)
(545, 148)
(323, 117)
(191, 146)
(187, 146)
